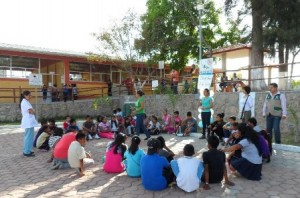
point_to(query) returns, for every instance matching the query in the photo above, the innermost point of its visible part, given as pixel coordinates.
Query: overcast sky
(63, 24)
(60, 24)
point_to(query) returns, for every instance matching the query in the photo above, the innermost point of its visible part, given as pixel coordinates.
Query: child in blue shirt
(152, 167)
(133, 158)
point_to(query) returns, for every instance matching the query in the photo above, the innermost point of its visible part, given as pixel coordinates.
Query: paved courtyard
(32, 177)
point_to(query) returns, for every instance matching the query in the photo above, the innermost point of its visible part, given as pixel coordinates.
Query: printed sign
(206, 66)
(36, 79)
(154, 83)
(204, 81)
(161, 64)
(205, 74)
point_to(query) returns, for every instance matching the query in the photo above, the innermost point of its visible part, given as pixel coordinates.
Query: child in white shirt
(76, 153)
(188, 170)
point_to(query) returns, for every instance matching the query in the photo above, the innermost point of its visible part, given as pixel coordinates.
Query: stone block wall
(154, 104)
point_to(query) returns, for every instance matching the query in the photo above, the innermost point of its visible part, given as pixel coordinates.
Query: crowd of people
(244, 145)
(67, 92)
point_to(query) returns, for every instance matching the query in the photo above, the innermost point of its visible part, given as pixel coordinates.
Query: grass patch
(289, 138)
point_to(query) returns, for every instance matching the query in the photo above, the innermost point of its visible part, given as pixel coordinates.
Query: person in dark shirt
(214, 164)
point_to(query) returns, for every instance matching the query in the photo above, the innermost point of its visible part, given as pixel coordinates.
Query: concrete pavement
(32, 177)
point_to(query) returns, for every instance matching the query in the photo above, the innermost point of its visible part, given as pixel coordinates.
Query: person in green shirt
(140, 115)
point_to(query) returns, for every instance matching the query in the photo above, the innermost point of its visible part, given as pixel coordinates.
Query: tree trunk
(280, 51)
(257, 54)
(294, 53)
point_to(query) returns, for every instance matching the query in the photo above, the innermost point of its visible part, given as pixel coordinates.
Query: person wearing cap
(274, 109)
(152, 168)
(188, 170)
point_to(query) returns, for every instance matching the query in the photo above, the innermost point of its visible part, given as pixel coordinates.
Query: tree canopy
(170, 31)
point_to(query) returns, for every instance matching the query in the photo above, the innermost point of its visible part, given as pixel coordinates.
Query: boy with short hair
(214, 164)
(188, 170)
(88, 127)
(76, 153)
(228, 127)
(189, 124)
(73, 125)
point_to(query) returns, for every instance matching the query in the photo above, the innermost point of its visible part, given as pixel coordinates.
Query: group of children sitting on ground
(246, 143)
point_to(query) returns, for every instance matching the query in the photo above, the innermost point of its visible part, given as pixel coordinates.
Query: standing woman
(140, 115)
(28, 123)
(247, 105)
(206, 104)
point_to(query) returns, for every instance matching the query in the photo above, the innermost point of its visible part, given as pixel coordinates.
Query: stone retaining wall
(224, 102)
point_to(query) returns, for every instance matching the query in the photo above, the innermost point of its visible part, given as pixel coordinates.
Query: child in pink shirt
(114, 155)
(177, 121)
(105, 130)
(167, 122)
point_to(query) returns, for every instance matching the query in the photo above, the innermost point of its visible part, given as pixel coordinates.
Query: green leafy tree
(170, 31)
(281, 31)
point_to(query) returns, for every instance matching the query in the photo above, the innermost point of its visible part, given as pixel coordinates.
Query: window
(80, 71)
(100, 72)
(4, 66)
(18, 67)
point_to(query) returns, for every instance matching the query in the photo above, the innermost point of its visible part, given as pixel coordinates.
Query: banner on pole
(205, 74)
(206, 66)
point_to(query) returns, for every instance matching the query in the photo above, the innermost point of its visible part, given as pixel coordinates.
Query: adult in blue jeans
(140, 115)
(28, 123)
(274, 110)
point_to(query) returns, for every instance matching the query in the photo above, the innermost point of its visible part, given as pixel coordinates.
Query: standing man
(274, 109)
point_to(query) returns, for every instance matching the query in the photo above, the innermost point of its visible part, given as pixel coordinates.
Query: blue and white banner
(205, 74)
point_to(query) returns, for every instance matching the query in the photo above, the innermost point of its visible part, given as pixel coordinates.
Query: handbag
(242, 115)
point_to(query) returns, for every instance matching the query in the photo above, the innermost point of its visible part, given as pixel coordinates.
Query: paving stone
(31, 177)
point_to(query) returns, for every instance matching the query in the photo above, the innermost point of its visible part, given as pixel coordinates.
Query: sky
(60, 24)
(63, 24)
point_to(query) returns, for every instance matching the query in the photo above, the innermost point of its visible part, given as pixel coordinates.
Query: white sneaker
(97, 136)
(90, 137)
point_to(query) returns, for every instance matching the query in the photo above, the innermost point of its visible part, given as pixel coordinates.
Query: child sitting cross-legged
(89, 128)
(163, 150)
(105, 130)
(44, 123)
(42, 141)
(154, 127)
(189, 125)
(214, 164)
(188, 170)
(77, 154)
(153, 168)
(133, 158)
